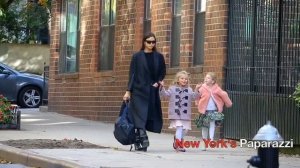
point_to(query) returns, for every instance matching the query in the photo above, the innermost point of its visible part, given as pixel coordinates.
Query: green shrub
(5, 110)
(296, 95)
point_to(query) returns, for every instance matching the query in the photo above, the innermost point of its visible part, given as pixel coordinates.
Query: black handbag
(124, 129)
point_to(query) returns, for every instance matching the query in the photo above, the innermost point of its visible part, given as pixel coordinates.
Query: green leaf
(296, 94)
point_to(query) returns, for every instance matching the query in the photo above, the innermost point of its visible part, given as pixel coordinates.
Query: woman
(147, 70)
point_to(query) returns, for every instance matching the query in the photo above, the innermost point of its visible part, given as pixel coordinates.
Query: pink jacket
(221, 98)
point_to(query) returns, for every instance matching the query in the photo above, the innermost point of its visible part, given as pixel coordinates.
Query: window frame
(64, 63)
(175, 33)
(147, 16)
(107, 32)
(199, 32)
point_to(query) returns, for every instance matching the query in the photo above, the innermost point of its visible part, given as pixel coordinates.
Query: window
(199, 32)
(107, 34)
(175, 34)
(147, 16)
(69, 36)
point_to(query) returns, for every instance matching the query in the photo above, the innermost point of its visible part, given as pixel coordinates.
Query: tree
(21, 21)
(37, 15)
(10, 25)
(4, 4)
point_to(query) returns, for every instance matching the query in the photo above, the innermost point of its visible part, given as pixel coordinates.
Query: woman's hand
(155, 84)
(126, 96)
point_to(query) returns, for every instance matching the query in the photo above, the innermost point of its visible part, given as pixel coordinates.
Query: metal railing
(263, 67)
(45, 84)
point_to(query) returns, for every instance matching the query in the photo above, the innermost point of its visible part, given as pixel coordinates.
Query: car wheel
(30, 97)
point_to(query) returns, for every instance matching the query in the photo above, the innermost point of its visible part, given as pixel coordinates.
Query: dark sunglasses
(149, 42)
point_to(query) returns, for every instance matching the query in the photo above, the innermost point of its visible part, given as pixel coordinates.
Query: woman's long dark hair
(148, 35)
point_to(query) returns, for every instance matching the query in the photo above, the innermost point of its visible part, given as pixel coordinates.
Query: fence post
(46, 75)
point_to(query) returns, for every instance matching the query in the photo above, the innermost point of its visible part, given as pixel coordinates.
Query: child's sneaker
(177, 147)
(180, 149)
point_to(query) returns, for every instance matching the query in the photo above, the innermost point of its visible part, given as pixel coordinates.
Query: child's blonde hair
(213, 76)
(178, 75)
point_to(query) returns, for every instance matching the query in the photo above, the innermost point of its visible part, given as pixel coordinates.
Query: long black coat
(145, 104)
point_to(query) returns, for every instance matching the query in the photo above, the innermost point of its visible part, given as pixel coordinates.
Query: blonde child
(180, 96)
(212, 99)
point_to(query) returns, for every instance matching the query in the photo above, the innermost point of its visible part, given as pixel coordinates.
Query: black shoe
(145, 142)
(144, 138)
(140, 147)
(141, 142)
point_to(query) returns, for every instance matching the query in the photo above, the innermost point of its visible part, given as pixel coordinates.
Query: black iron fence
(263, 67)
(45, 84)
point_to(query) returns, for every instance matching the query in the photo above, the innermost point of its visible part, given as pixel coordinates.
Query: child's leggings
(211, 129)
(180, 132)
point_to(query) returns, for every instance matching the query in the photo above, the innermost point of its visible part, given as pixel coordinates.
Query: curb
(43, 108)
(30, 159)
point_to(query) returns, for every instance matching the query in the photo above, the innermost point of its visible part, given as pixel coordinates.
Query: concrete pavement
(51, 125)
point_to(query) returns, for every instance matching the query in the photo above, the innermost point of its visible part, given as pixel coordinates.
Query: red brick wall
(161, 20)
(97, 95)
(216, 37)
(216, 33)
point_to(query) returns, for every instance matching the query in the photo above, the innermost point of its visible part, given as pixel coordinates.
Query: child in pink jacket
(212, 99)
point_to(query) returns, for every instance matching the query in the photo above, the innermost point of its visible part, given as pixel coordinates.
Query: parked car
(27, 90)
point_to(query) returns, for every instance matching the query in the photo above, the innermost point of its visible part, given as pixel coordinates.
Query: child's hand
(161, 83)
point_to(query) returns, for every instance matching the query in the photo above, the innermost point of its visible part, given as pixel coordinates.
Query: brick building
(92, 43)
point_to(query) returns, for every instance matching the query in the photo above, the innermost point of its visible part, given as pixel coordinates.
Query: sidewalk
(50, 125)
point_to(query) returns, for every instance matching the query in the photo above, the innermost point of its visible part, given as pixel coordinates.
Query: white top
(211, 104)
